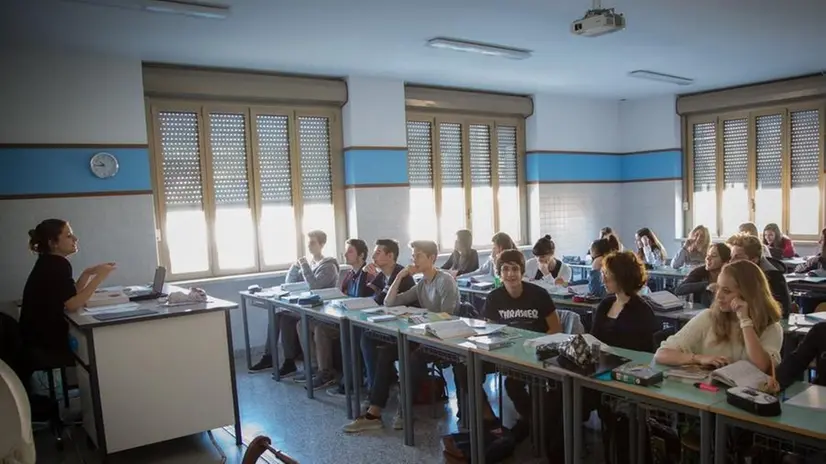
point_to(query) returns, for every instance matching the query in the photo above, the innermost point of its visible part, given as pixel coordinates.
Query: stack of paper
(295, 287)
(404, 310)
(104, 297)
(666, 299)
(356, 304)
(327, 294)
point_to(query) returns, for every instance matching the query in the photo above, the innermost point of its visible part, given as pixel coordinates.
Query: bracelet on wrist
(746, 322)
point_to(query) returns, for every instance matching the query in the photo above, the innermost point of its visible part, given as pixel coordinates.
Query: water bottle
(497, 282)
(689, 301)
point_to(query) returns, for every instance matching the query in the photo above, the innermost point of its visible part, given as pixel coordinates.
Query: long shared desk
(797, 424)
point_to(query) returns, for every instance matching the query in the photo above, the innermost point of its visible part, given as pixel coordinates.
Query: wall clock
(104, 165)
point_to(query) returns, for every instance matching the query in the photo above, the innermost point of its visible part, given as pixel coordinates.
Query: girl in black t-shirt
(51, 289)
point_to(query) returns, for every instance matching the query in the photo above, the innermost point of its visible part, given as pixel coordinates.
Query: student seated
(613, 240)
(464, 258)
(522, 305)
(742, 324)
(544, 266)
(355, 284)
(623, 319)
(694, 250)
(816, 263)
(437, 292)
(50, 290)
(599, 249)
(501, 242)
(319, 272)
(813, 348)
(384, 270)
(751, 229)
(649, 248)
(746, 247)
(780, 246)
(697, 281)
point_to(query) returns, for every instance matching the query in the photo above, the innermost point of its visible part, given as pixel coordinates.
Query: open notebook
(740, 374)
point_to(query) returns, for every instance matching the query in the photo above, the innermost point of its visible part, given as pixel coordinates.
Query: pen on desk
(706, 387)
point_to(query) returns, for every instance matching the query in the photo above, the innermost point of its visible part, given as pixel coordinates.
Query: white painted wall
(374, 115)
(649, 124)
(564, 123)
(75, 99)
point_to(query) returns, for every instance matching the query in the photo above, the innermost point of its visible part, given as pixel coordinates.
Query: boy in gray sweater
(319, 272)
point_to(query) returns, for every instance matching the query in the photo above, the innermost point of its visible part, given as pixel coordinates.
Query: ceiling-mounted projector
(598, 21)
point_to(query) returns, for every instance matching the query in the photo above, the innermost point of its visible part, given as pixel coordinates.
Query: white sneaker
(398, 419)
(362, 424)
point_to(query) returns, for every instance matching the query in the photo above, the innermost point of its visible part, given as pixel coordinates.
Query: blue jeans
(368, 355)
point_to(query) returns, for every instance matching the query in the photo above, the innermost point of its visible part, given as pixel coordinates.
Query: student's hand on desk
(710, 360)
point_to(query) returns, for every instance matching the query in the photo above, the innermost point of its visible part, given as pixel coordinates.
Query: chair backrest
(777, 264)
(660, 336)
(571, 322)
(16, 439)
(468, 310)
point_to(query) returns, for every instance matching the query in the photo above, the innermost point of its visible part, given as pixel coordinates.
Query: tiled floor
(307, 430)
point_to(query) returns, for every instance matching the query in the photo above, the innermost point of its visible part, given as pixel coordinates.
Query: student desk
(797, 424)
(521, 361)
(152, 378)
(671, 395)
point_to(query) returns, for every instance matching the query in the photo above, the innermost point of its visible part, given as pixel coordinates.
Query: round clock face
(104, 165)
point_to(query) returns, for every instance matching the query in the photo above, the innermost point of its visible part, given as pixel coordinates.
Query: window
(760, 166)
(464, 174)
(237, 188)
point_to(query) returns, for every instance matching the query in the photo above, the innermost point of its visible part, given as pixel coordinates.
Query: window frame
(785, 110)
(493, 122)
(203, 108)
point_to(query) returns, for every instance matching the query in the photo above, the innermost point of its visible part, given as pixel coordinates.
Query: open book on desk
(455, 328)
(356, 304)
(740, 374)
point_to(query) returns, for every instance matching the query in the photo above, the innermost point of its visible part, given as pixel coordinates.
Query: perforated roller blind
(705, 156)
(805, 148)
(479, 138)
(419, 154)
(506, 150)
(736, 152)
(228, 144)
(273, 151)
(314, 147)
(450, 144)
(769, 148)
(181, 155)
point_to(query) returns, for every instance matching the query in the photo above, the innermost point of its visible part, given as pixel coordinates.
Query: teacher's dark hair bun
(41, 237)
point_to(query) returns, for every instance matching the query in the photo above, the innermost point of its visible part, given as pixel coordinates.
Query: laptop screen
(160, 277)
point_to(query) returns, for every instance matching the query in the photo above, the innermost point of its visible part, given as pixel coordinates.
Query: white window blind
(317, 179)
(768, 193)
(481, 209)
(234, 225)
(510, 217)
(704, 201)
(453, 207)
(805, 170)
(423, 223)
(184, 225)
(735, 207)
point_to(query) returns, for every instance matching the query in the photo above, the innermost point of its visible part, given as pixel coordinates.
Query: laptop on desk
(140, 293)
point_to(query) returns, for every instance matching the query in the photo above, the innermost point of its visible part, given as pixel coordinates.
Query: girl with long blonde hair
(694, 250)
(742, 324)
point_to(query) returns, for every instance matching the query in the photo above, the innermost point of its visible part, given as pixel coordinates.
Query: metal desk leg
(476, 377)
(308, 353)
(536, 442)
(246, 332)
(406, 387)
(568, 428)
(706, 424)
(633, 433)
(720, 431)
(542, 390)
(344, 335)
(275, 330)
(576, 423)
(640, 446)
(232, 379)
(356, 370)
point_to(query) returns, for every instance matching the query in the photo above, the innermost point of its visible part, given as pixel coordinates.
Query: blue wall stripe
(609, 167)
(56, 170)
(375, 167)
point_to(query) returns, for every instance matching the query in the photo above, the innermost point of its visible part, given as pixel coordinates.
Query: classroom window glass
(239, 187)
(760, 166)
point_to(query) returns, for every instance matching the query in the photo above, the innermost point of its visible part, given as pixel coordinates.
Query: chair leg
(52, 393)
(65, 384)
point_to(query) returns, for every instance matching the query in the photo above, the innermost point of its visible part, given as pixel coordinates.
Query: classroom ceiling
(716, 43)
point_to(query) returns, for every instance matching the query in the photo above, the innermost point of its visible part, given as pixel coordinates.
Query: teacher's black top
(49, 286)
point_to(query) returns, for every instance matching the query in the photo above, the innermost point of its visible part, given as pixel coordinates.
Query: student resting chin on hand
(50, 290)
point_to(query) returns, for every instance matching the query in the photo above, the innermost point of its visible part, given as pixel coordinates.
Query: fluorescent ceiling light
(476, 47)
(660, 77)
(187, 8)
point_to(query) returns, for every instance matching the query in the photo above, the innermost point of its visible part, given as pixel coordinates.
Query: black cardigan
(462, 264)
(633, 329)
(697, 282)
(795, 364)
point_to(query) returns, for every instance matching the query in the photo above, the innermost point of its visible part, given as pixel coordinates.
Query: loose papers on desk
(455, 328)
(296, 287)
(553, 289)
(327, 294)
(356, 304)
(813, 397)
